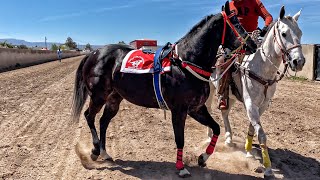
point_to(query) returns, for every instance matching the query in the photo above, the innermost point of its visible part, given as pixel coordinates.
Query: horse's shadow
(166, 170)
(292, 165)
(151, 169)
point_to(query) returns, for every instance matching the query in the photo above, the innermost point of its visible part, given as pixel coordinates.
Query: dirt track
(39, 141)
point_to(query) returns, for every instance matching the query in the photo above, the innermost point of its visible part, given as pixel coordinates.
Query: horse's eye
(284, 35)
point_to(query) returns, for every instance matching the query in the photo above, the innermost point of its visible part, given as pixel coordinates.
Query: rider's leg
(223, 91)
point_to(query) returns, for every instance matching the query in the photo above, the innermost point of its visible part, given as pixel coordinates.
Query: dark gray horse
(99, 76)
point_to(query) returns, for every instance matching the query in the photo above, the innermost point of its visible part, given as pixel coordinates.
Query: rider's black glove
(264, 31)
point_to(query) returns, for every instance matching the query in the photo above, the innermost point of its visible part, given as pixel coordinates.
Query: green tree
(6, 45)
(88, 46)
(54, 47)
(22, 46)
(63, 47)
(70, 43)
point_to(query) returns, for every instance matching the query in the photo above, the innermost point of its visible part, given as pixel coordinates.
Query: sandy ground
(38, 140)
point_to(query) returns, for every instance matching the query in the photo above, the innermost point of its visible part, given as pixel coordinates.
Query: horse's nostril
(295, 62)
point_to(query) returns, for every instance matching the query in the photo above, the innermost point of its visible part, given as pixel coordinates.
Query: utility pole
(45, 42)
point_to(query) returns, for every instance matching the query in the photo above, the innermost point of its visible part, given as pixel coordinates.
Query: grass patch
(298, 78)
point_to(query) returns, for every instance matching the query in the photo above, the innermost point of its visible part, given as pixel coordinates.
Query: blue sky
(101, 22)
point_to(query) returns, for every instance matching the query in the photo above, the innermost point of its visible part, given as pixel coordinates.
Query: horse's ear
(282, 12)
(222, 8)
(227, 8)
(296, 16)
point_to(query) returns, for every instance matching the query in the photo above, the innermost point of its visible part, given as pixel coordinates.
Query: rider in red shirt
(248, 12)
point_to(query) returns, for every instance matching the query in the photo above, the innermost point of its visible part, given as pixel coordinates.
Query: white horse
(256, 79)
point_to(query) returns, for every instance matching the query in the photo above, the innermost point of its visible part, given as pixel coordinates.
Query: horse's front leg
(202, 115)
(253, 113)
(179, 115)
(249, 139)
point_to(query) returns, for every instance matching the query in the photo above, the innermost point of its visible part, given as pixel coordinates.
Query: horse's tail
(80, 92)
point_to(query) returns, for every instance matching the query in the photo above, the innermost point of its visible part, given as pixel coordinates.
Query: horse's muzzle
(297, 64)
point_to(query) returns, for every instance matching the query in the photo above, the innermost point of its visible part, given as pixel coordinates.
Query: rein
(198, 71)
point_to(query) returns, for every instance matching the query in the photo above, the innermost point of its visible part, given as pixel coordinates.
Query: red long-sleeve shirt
(248, 12)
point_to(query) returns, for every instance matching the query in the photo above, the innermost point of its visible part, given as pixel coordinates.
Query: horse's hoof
(268, 174)
(184, 173)
(94, 154)
(105, 156)
(249, 155)
(94, 157)
(202, 161)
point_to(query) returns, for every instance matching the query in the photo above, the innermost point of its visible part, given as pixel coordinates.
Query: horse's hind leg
(225, 117)
(227, 127)
(110, 110)
(95, 106)
(210, 98)
(202, 115)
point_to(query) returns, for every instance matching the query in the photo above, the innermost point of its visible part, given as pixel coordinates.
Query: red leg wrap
(212, 144)
(179, 163)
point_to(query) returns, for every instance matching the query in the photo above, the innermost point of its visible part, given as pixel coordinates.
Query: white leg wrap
(184, 173)
(205, 157)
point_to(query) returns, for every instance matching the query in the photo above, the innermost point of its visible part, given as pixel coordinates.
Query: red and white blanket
(138, 62)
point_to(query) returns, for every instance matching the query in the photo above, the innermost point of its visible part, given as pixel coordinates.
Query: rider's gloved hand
(264, 31)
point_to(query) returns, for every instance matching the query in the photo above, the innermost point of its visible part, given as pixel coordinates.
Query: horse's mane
(270, 27)
(195, 27)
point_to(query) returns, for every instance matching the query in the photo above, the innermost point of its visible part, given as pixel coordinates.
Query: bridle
(198, 71)
(285, 51)
(237, 34)
(285, 54)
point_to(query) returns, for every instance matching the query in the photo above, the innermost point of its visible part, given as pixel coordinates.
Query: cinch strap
(157, 80)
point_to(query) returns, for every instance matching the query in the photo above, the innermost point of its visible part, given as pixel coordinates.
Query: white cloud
(64, 16)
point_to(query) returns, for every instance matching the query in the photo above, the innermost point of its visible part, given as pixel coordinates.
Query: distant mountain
(42, 44)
